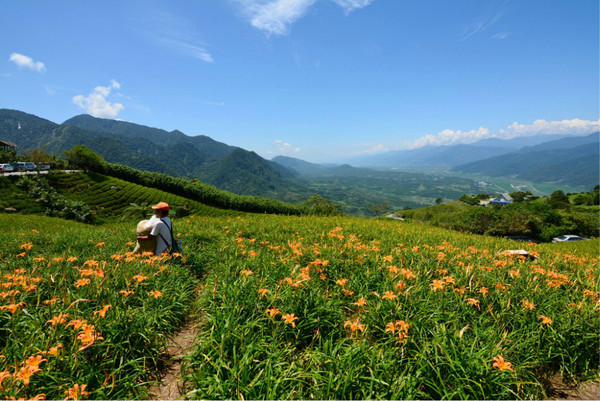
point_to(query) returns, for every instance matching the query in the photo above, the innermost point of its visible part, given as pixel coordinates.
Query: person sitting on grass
(163, 228)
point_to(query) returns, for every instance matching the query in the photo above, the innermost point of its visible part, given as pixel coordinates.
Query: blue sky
(313, 79)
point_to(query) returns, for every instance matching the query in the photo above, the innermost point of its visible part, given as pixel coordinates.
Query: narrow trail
(170, 386)
(583, 391)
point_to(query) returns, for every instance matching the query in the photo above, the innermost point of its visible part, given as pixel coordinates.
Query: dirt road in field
(170, 387)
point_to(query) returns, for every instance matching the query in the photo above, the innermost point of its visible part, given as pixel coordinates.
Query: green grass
(454, 332)
(50, 268)
(343, 282)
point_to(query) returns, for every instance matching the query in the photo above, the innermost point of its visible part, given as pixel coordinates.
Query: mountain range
(571, 160)
(226, 167)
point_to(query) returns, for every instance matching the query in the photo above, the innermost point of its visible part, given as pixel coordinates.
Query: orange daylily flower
(82, 282)
(25, 374)
(272, 312)
(50, 302)
(88, 336)
(474, 302)
(399, 327)
(100, 244)
(528, 305)
(437, 285)
(342, 282)
(27, 246)
(289, 319)
(55, 350)
(139, 278)
(126, 292)
(483, 291)
(76, 392)
(545, 320)
(354, 325)
(4, 375)
(361, 302)
(60, 319)
(12, 308)
(501, 364)
(34, 362)
(102, 312)
(389, 295)
(77, 323)
(155, 294)
(262, 292)
(247, 272)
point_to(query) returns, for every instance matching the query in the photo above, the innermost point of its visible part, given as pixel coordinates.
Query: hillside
(538, 220)
(156, 150)
(108, 197)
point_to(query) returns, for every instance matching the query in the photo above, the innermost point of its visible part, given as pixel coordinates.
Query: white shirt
(163, 235)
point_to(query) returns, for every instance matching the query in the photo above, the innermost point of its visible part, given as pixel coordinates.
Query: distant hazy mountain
(298, 165)
(570, 160)
(449, 155)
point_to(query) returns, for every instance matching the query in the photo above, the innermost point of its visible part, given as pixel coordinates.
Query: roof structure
(6, 144)
(500, 199)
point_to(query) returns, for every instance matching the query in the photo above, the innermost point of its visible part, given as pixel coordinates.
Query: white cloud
(24, 61)
(539, 127)
(277, 16)
(478, 26)
(543, 127)
(285, 148)
(176, 33)
(49, 90)
(501, 35)
(351, 5)
(97, 105)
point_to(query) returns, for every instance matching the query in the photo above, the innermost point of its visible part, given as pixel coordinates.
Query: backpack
(175, 244)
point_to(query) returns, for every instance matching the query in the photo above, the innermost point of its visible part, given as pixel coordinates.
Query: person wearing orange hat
(163, 229)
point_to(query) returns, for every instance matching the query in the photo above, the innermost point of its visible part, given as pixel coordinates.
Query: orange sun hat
(161, 206)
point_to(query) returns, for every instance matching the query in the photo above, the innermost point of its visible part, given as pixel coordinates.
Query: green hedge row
(200, 192)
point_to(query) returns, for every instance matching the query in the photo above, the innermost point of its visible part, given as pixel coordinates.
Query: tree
(439, 201)
(558, 200)
(380, 208)
(520, 196)
(84, 158)
(135, 210)
(321, 206)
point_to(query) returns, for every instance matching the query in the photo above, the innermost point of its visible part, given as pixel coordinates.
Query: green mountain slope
(151, 149)
(208, 146)
(568, 162)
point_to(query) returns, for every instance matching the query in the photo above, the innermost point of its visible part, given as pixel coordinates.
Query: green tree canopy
(84, 158)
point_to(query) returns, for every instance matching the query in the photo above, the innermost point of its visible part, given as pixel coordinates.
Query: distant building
(498, 200)
(5, 145)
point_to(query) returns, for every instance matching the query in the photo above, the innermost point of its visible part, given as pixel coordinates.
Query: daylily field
(293, 307)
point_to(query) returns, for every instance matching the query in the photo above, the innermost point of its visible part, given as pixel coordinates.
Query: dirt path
(584, 391)
(170, 385)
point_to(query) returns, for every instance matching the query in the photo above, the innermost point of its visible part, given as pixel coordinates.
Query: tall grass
(293, 307)
(80, 317)
(344, 308)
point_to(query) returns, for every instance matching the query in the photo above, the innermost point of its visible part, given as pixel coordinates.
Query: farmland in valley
(293, 307)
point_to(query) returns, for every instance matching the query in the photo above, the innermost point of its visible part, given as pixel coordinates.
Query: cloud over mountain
(96, 104)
